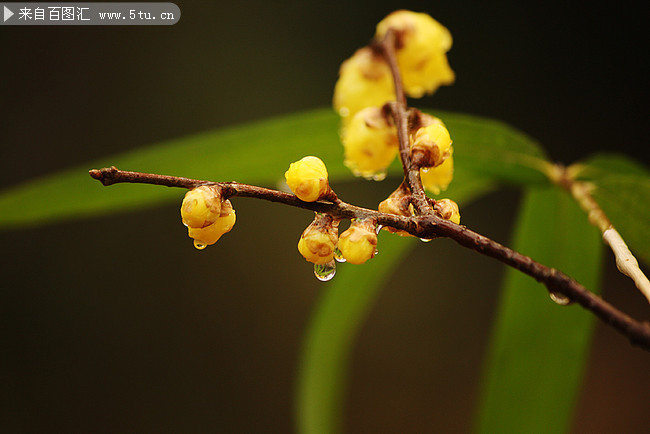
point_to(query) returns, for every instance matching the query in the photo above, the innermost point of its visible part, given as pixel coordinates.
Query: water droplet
(376, 253)
(199, 245)
(338, 256)
(426, 240)
(325, 272)
(378, 229)
(560, 298)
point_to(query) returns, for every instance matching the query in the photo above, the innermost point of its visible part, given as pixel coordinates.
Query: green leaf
(486, 152)
(258, 153)
(343, 306)
(495, 150)
(539, 349)
(621, 187)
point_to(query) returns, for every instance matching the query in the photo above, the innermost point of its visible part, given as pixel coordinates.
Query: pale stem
(581, 192)
(626, 262)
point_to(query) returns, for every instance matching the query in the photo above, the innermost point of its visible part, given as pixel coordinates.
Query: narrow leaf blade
(486, 152)
(340, 312)
(495, 150)
(333, 328)
(256, 153)
(539, 349)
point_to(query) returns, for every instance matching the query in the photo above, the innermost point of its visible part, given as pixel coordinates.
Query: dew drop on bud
(325, 272)
(426, 240)
(560, 298)
(338, 255)
(199, 245)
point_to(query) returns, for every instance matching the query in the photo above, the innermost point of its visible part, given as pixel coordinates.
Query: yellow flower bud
(318, 242)
(359, 242)
(421, 48)
(370, 144)
(394, 206)
(307, 178)
(428, 120)
(210, 234)
(448, 210)
(397, 203)
(364, 80)
(201, 206)
(437, 179)
(431, 145)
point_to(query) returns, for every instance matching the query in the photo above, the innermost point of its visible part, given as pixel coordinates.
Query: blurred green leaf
(604, 165)
(538, 351)
(621, 187)
(341, 309)
(495, 150)
(257, 152)
(486, 152)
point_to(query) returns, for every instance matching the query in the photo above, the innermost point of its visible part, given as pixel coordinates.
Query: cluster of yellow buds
(206, 215)
(399, 203)
(365, 84)
(371, 144)
(421, 52)
(320, 243)
(365, 79)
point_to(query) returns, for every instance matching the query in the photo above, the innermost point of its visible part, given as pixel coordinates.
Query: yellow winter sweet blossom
(364, 80)
(201, 206)
(210, 234)
(307, 178)
(318, 242)
(431, 145)
(437, 179)
(359, 242)
(448, 210)
(370, 143)
(421, 51)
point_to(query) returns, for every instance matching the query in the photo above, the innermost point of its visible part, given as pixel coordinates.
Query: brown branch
(112, 175)
(425, 226)
(400, 113)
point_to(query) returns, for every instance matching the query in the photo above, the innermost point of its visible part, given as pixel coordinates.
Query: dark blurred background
(151, 335)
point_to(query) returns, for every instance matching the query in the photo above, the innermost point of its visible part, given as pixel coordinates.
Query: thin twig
(425, 226)
(400, 113)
